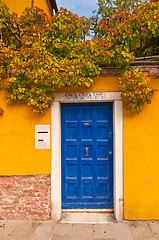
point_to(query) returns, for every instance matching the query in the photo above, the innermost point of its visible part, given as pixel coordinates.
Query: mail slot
(42, 136)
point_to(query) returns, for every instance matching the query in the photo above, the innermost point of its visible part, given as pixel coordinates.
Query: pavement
(48, 230)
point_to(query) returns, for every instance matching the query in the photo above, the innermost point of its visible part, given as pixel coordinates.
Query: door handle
(86, 151)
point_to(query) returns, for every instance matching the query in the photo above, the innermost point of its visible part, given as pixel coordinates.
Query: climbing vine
(39, 54)
(136, 90)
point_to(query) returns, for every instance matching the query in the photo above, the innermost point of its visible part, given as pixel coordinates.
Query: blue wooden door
(87, 155)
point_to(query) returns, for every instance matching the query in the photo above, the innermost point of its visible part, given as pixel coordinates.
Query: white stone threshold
(87, 217)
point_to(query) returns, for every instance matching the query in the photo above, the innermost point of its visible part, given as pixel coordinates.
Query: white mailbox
(42, 136)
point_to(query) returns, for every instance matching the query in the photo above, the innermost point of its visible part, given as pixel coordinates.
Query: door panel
(87, 159)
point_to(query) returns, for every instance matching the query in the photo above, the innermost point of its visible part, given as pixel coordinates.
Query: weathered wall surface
(25, 197)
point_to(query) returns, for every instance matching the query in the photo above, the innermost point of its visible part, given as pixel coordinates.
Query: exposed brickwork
(151, 71)
(25, 197)
(148, 70)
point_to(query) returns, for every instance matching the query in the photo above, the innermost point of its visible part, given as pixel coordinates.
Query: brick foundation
(25, 197)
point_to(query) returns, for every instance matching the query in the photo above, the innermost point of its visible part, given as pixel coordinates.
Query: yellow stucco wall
(18, 6)
(17, 146)
(140, 149)
(141, 161)
(17, 131)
